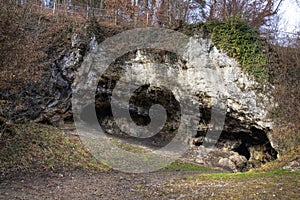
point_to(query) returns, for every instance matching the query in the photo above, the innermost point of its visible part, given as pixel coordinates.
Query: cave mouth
(254, 145)
(145, 97)
(140, 102)
(243, 150)
(139, 105)
(244, 144)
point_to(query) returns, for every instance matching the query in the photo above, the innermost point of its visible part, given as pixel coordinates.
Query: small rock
(227, 163)
(293, 166)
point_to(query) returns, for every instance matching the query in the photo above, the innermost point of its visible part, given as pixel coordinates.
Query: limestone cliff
(243, 142)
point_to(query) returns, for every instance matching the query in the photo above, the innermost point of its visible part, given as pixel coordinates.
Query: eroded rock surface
(243, 142)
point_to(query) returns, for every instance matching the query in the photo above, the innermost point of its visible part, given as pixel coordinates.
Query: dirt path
(157, 185)
(80, 185)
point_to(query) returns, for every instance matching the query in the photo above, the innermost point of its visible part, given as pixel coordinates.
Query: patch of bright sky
(290, 12)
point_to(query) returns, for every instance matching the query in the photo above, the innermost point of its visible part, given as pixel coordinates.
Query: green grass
(276, 184)
(184, 166)
(246, 175)
(239, 41)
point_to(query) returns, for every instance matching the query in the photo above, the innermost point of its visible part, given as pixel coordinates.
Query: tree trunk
(102, 4)
(157, 10)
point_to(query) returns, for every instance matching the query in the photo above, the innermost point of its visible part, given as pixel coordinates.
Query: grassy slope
(278, 184)
(38, 147)
(34, 146)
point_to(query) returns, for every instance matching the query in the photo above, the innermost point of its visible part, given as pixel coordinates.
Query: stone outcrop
(49, 99)
(243, 142)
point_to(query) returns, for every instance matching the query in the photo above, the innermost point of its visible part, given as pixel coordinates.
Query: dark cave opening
(254, 145)
(139, 105)
(242, 150)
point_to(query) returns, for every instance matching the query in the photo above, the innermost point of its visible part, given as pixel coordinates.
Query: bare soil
(158, 185)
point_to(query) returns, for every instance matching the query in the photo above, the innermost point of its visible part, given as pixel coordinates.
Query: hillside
(42, 152)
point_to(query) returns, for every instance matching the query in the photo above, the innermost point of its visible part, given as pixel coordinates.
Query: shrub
(239, 41)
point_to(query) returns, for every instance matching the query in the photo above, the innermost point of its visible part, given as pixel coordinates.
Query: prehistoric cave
(252, 143)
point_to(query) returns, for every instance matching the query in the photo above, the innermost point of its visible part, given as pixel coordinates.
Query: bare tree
(257, 12)
(158, 8)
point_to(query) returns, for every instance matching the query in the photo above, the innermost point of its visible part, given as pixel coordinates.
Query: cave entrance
(139, 105)
(243, 150)
(254, 145)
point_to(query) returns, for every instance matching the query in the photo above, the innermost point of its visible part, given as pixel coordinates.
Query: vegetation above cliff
(239, 41)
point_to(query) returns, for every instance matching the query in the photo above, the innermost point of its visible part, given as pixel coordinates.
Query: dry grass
(32, 147)
(286, 140)
(26, 39)
(31, 39)
(287, 82)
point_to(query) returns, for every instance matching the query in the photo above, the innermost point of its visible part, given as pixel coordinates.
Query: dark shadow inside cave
(252, 143)
(242, 150)
(139, 105)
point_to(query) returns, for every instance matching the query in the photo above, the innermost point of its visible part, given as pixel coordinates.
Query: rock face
(243, 142)
(48, 100)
